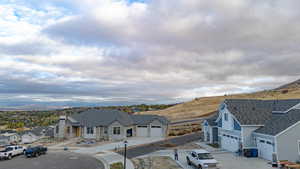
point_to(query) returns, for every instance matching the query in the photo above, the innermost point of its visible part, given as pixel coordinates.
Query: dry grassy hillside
(204, 106)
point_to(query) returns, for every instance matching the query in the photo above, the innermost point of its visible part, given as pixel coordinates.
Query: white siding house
(272, 127)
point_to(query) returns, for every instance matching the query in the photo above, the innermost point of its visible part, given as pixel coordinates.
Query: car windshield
(204, 156)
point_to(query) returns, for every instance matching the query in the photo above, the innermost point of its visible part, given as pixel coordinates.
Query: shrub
(118, 165)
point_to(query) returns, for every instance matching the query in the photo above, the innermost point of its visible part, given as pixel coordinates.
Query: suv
(11, 151)
(35, 151)
(201, 159)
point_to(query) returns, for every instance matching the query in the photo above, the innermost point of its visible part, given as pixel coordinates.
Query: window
(117, 130)
(57, 129)
(226, 116)
(143, 126)
(155, 127)
(262, 141)
(105, 130)
(90, 130)
(194, 154)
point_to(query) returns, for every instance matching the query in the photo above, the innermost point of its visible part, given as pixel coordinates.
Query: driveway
(227, 160)
(53, 160)
(149, 148)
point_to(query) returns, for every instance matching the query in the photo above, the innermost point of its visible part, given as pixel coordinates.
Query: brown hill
(200, 107)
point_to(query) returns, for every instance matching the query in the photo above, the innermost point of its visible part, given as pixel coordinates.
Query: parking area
(53, 160)
(227, 160)
(231, 161)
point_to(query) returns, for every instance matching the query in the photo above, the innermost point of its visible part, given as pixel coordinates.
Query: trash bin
(254, 152)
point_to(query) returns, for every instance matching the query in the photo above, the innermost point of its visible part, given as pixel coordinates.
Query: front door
(129, 132)
(77, 132)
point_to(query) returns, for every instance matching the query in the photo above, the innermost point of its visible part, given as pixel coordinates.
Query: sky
(120, 52)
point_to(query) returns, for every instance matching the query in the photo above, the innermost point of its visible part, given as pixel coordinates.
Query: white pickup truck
(11, 151)
(201, 159)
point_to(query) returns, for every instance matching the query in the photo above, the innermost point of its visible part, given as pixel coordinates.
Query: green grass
(118, 165)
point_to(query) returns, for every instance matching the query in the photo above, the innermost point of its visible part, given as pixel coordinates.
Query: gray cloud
(159, 51)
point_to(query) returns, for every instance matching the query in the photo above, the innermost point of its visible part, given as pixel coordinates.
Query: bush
(284, 91)
(118, 165)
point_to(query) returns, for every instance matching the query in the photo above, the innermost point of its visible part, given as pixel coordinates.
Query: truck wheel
(188, 161)
(199, 167)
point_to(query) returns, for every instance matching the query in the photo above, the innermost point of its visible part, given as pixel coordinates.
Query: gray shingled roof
(280, 122)
(102, 117)
(257, 112)
(147, 119)
(212, 120)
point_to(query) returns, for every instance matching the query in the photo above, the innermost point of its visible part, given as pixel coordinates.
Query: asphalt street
(53, 160)
(160, 145)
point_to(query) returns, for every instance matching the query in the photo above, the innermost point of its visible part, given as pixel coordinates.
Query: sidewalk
(109, 158)
(118, 145)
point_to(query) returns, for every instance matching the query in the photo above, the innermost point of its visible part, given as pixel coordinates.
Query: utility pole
(125, 153)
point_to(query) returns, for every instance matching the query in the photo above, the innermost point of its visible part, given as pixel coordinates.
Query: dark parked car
(35, 151)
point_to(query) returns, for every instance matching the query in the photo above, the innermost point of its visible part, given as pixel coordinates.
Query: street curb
(103, 161)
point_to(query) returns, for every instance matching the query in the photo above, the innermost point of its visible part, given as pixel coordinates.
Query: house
(8, 138)
(108, 124)
(35, 134)
(270, 126)
(210, 129)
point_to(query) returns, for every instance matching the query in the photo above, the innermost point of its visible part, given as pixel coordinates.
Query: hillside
(200, 107)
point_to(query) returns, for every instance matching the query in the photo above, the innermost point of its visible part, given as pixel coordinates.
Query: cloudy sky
(103, 52)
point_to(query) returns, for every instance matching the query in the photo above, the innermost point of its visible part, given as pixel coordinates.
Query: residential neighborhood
(260, 132)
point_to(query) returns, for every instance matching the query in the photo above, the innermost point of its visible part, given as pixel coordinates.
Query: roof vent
(253, 108)
(234, 108)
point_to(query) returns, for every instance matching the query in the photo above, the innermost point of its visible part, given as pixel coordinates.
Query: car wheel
(188, 161)
(9, 157)
(199, 167)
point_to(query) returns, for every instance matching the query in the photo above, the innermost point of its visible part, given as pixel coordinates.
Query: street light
(125, 153)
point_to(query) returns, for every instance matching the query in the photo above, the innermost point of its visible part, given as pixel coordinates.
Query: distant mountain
(32, 107)
(204, 106)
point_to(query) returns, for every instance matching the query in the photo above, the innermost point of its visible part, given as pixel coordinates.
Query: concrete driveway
(226, 160)
(53, 160)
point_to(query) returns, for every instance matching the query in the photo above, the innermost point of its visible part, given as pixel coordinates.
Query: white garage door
(230, 143)
(265, 149)
(142, 131)
(156, 131)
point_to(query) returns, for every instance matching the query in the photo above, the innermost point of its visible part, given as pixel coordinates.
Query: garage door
(230, 143)
(265, 149)
(156, 131)
(142, 131)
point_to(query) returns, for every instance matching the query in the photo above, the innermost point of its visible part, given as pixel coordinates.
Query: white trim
(260, 134)
(298, 146)
(220, 111)
(254, 125)
(287, 129)
(294, 107)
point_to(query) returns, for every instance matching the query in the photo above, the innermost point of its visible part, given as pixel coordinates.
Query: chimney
(61, 126)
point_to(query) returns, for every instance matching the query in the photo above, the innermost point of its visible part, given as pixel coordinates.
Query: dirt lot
(181, 129)
(158, 162)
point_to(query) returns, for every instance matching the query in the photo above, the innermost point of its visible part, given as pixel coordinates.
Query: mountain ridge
(205, 106)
